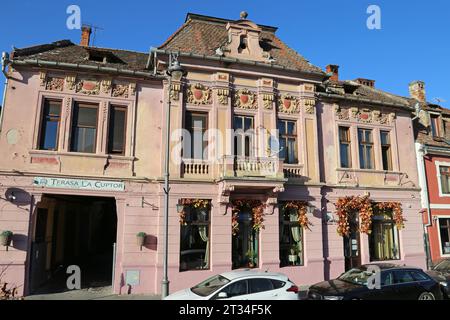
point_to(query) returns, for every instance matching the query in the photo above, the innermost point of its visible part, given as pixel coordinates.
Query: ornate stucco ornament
(222, 95)
(175, 91)
(54, 84)
(106, 85)
(89, 87)
(268, 99)
(245, 99)
(71, 82)
(364, 115)
(288, 104)
(310, 105)
(120, 90)
(198, 94)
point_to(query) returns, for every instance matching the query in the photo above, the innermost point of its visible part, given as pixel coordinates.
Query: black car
(393, 283)
(441, 273)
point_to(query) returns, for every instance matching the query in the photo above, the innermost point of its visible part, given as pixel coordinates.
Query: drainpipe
(421, 153)
(5, 62)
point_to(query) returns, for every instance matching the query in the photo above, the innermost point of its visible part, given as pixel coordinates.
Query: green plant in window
(252, 258)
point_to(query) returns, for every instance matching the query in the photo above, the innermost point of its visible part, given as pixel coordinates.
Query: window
(288, 141)
(291, 238)
(344, 147)
(383, 241)
(205, 288)
(435, 127)
(419, 276)
(403, 276)
(365, 148)
(387, 278)
(245, 244)
(51, 118)
(386, 150)
(84, 128)
(194, 242)
(244, 134)
(258, 285)
(445, 179)
(444, 232)
(238, 288)
(195, 145)
(117, 130)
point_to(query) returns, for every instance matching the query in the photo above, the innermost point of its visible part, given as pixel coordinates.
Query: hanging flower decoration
(192, 203)
(257, 209)
(301, 208)
(351, 205)
(397, 212)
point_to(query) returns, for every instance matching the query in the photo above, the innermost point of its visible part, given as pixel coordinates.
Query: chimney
(366, 82)
(417, 91)
(85, 36)
(334, 69)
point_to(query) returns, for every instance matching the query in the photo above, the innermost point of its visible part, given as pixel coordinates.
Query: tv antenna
(94, 29)
(439, 100)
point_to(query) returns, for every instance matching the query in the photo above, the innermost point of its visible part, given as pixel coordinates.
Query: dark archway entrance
(72, 230)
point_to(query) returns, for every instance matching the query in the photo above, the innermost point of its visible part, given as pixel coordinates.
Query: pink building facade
(82, 143)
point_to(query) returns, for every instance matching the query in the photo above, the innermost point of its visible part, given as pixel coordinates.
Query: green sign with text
(79, 184)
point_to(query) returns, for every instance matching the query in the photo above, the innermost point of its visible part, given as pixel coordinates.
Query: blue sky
(413, 43)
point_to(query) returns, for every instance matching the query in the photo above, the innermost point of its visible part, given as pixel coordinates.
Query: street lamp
(175, 72)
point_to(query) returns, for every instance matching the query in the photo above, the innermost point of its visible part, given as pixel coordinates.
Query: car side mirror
(222, 295)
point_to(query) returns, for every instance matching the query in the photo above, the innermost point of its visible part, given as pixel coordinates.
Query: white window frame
(439, 164)
(438, 227)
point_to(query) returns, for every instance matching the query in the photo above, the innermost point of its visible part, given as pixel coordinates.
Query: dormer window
(103, 56)
(242, 43)
(435, 126)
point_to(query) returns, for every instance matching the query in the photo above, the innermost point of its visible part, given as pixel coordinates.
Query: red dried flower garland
(365, 208)
(257, 208)
(302, 211)
(193, 203)
(397, 212)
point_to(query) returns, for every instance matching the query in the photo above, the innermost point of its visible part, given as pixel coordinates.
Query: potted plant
(252, 258)
(141, 238)
(294, 252)
(5, 238)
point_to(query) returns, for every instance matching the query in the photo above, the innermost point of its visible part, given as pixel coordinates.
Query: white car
(241, 285)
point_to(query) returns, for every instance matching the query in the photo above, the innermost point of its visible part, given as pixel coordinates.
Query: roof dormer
(244, 40)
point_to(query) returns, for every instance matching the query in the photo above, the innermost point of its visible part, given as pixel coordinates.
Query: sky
(412, 44)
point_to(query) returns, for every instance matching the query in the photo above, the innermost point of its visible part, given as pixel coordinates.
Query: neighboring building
(82, 165)
(432, 129)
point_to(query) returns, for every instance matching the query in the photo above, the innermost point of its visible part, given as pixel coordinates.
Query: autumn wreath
(301, 208)
(257, 209)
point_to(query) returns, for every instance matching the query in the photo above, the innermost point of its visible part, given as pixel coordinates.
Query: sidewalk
(92, 294)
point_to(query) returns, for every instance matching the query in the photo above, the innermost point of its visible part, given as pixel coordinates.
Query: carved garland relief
(198, 94)
(364, 115)
(288, 104)
(245, 99)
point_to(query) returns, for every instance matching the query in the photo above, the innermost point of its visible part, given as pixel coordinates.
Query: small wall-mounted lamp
(12, 197)
(329, 218)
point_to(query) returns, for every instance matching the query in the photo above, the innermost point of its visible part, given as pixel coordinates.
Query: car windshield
(210, 285)
(356, 276)
(443, 266)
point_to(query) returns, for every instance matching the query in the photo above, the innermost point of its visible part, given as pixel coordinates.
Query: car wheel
(426, 296)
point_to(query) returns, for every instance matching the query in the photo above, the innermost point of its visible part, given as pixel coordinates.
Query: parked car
(396, 283)
(441, 273)
(241, 285)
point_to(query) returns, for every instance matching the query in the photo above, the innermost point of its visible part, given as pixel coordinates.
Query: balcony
(251, 167)
(196, 169)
